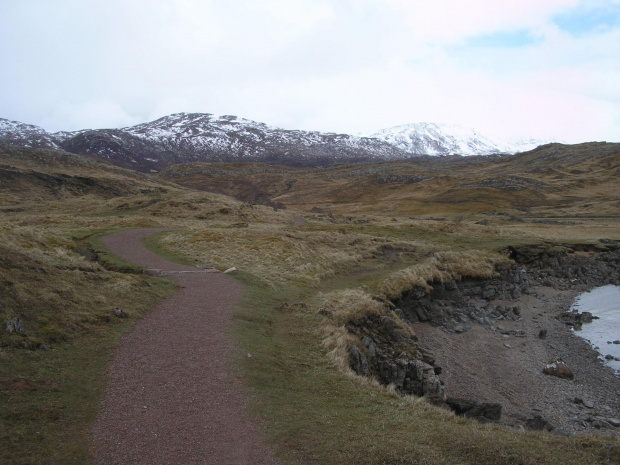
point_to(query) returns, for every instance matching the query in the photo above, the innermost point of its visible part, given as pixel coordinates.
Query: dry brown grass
(557, 180)
(278, 254)
(443, 267)
(315, 414)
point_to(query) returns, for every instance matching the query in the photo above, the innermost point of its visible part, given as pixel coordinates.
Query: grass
(53, 374)
(556, 180)
(313, 409)
(316, 414)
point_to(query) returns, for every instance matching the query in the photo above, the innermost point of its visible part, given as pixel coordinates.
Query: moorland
(327, 257)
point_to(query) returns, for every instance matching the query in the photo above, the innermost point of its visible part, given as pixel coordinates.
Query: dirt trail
(170, 397)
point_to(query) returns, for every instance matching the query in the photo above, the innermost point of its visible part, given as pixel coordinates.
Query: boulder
(15, 325)
(481, 411)
(538, 423)
(389, 352)
(358, 362)
(615, 422)
(586, 317)
(559, 369)
(118, 313)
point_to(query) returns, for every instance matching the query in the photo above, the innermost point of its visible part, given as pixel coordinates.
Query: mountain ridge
(204, 137)
(450, 139)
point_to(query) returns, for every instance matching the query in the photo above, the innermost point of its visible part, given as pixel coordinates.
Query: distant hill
(198, 137)
(38, 174)
(203, 137)
(554, 180)
(447, 139)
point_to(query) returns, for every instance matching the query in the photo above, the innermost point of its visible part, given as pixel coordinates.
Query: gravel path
(170, 397)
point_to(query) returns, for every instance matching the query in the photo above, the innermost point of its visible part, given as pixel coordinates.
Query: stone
(586, 317)
(588, 403)
(370, 345)
(459, 329)
(489, 293)
(422, 314)
(481, 411)
(15, 325)
(615, 422)
(616, 342)
(558, 369)
(118, 313)
(599, 424)
(538, 423)
(324, 311)
(358, 362)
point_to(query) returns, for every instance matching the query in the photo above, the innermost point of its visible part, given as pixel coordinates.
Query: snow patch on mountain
(449, 139)
(204, 137)
(25, 135)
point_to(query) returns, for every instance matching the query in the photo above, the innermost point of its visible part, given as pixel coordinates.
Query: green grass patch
(314, 414)
(53, 370)
(104, 256)
(153, 243)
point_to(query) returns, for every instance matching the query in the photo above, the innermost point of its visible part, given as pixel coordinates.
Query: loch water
(604, 303)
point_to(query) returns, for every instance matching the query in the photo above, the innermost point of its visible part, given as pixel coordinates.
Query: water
(603, 302)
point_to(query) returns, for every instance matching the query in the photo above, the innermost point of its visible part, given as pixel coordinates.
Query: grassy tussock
(53, 371)
(46, 283)
(443, 267)
(349, 305)
(341, 308)
(280, 256)
(50, 247)
(313, 413)
(337, 340)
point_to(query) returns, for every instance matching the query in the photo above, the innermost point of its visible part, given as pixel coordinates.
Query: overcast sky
(541, 68)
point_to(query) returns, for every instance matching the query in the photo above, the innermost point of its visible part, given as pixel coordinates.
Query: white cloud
(453, 20)
(339, 65)
(100, 113)
(297, 15)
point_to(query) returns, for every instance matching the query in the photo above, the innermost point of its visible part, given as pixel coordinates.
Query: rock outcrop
(456, 305)
(481, 411)
(388, 351)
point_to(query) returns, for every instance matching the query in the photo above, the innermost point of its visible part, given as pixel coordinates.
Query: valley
(382, 291)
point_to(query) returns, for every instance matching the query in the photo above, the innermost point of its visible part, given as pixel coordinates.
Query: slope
(553, 180)
(63, 286)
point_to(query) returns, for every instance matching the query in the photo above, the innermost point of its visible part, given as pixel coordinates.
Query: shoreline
(485, 365)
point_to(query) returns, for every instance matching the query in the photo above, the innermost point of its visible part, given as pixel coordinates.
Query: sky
(508, 68)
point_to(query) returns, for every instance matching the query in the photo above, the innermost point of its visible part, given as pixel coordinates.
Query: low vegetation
(357, 247)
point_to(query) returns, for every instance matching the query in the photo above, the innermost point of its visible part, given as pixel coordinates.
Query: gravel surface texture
(171, 398)
(485, 365)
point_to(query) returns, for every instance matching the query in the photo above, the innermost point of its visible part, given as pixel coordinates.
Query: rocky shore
(502, 349)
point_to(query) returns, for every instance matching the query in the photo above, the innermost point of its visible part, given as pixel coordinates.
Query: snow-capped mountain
(203, 137)
(25, 135)
(448, 139)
